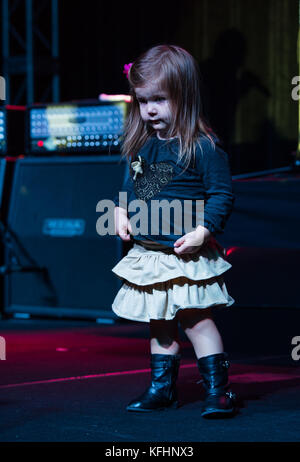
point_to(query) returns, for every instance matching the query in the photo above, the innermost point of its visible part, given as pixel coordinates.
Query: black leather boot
(219, 400)
(162, 392)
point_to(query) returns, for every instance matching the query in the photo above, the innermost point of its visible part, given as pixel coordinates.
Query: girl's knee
(189, 318)
(162, 325)
(165, 332)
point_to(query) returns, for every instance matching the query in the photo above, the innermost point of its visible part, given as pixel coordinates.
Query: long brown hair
(176, 72)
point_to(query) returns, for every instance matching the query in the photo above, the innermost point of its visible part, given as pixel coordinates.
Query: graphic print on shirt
(152, 180)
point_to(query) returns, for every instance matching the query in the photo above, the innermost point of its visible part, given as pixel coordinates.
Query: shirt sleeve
(217, 181)
(126, 188)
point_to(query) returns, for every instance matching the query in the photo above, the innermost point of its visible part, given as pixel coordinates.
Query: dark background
(246, 50)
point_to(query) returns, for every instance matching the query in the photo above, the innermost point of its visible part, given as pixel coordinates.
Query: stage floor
(67, 381)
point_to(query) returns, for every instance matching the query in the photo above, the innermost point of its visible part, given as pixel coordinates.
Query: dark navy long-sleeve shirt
(159, 176)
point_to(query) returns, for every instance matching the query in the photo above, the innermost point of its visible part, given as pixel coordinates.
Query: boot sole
(164, 408)
(218, 413)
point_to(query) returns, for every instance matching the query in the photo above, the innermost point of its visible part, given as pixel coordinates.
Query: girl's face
(155, 107)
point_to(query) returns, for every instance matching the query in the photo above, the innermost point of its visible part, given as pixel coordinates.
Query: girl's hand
(122, 224)
(190, 242)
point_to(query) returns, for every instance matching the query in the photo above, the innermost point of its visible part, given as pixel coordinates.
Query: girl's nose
(151, 108)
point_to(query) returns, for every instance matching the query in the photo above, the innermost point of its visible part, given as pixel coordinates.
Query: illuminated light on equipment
(12, 121)
(2, 131)
(61, 128)
(105, 97)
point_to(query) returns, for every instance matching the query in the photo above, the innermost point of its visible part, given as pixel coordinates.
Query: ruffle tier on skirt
(158, 283)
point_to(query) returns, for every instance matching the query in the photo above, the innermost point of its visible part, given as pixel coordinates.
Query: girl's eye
(157, 99)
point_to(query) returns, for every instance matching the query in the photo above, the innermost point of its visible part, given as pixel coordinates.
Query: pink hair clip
(127, 69)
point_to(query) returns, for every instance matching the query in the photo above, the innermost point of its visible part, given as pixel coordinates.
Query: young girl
(174, 276)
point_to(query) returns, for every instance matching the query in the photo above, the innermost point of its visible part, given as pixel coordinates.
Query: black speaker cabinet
(60, 265)
(263, 244)
(7, 167)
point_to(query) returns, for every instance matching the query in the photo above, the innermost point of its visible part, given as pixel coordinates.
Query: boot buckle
(230, 395)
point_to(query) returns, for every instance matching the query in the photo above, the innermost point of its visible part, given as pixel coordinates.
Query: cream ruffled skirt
(157, 282)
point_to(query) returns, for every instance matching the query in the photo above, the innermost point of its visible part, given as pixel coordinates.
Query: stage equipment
(262, 240)
(12, 127)
(57, 264)
(89, 127)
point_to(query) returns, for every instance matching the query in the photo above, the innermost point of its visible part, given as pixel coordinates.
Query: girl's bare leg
(201, 330)
(164, 337)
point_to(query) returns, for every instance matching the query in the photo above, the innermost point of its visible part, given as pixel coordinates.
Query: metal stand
(30, 39)
(15, 264)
